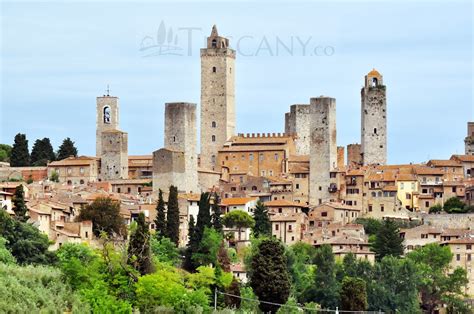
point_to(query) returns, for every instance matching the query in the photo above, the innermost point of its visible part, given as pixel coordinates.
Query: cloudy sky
(57, 58)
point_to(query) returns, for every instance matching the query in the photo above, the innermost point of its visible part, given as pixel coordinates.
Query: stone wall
(114, 155)
(354, 157)
(323, 148)
(297, 121)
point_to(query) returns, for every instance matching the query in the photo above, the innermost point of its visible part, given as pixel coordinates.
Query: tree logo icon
(164, 43)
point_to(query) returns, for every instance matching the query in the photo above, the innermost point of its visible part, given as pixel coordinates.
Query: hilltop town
(316, 191)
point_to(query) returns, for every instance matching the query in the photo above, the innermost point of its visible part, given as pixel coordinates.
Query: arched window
(214, 69)
(174, 138)
(214, 43)
(214, 124)
(375, 130)
(254, 188)
(107, 114)
(69, 182)
(375, 82)
(81, 182)
(213, 138)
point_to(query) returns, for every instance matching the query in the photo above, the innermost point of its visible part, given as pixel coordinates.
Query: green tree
(392, 286)
(5, 152)
(232, 299)
(6, 256)
(388, 241)
(452, 203)
(439, 283)
(104, 213)
(216, 219)
(37, 289)
(204, 216)
(54, 176)
(20, 154)
(326, 289)
(269, 278)
(238, 219)
(25, 242)
(208, 247)
(263, 226)
(191, 247)
(353, 294)
(223, 259)
(371, 225)
(172, 222)
(139, 256)
(160, 220)
(66, 149)
(42, 152)
(165, 251)
(435, 209)
(300, 258)
(19, 205)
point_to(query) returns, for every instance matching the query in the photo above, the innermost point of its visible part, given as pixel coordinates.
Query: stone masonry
(354, 157)
(114, 155)
(107, 114)
(323, 148)
(469, 140)
(374, 120)
(217, 97)
(297, 121)
(176, 163)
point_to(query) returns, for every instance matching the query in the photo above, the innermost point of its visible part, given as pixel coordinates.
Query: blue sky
(56, 58)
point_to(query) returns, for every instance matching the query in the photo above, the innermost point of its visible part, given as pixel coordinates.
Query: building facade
(297, 121)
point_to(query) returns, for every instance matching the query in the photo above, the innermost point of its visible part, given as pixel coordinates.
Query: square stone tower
(469, 140)
(114, 155)
(323, 148)
(217, 97)
(297, 121)
(176, 163)
(107, 113)
(374, 120)
(354, 157)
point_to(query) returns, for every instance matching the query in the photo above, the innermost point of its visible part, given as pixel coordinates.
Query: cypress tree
(269, 277)
(388, 241)
(67, 149)
(216, 219)
(263, 226)
(172, 221)
(204, 216)
(20, 155)
(160, 220)
(19, 206)
(191, 247)
(326, 290)
(223, 258)
(42, 152)
(139, 256)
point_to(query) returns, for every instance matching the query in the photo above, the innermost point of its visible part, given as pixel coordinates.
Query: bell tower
(107, 113)
(373, 120)
(217, 97)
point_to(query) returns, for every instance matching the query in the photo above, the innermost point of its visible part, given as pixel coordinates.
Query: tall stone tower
(176, 163)
(217, 97)
(107, 113)
(323, 148)
(469, 140)
(297, 121)
(114, 155)
(374, 120)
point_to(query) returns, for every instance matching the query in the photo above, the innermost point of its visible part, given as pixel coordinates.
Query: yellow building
(408, 191)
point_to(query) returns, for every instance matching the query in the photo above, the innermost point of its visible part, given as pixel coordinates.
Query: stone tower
(107, 113)
(297, 121)
(354, 157)
(323, 148)
(114, 155)
(217, 97)
(176, 163)
(469, 140)
(374, 120)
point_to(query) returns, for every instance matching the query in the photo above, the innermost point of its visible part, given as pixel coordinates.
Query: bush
(435, 209)
(453, 202)
(457, 210)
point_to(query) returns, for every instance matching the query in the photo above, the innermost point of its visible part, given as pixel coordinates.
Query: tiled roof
(74, 161)
(443, 163)
(464, 158)
(237, 200)
(283, 203)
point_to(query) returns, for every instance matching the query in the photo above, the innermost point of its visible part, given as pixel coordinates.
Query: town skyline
(142, 103)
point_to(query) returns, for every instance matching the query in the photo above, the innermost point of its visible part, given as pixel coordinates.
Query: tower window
(214, 69)
(214, 124)
(214, 43)
(375, 130)
(174, 138)
(107, 114)
(374, 82)
(213, 138)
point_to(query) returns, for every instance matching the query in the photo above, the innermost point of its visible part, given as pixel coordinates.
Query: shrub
(435, 209)
(453, 202)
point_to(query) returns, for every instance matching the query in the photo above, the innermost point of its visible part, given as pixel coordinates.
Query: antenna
(108, 90)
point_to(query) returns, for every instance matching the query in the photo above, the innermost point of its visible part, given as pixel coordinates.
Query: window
(254, 188)
(251, 157)
(263, 173)
(213, 138)
(375, 130)
(213, 124)
(118, 190)
(290, 228)
(297, 186)
(324, 214)
(81, 170)
(261, 156)
(87, 234)
(408, 196)
(69, 170)
(458, 257)
(81, 182)
(280, 210)
(213, 159)
(382, 208)
(402, 186)
(370, 208)
(69, 182)
(468, 246)
(468, 257)
(276, 156)
(427, 204)
(276, 227)
(214, 43)
(214, 70)
(129, 190)
(332, 174)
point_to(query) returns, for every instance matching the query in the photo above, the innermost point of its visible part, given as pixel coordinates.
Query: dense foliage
(5, 152)
(20, 153)
(160, 220)
(387, 241)
(105, 215)
(19, 205)
(262, 226)
(42, 152)
(172, 217)
(67, 149)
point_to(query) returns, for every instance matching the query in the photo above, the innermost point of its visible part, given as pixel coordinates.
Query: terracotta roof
(140, 157)
(392, 188)
(237, 201)
(292, 217)
(337, 206)
(467, 240)
(463, 158)
(406, 177)
(355, 172)
(443, 163)
(374, 72)
(428, 171)
(283, 203)
(74, 161)
(129, 181)
(190, 196)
